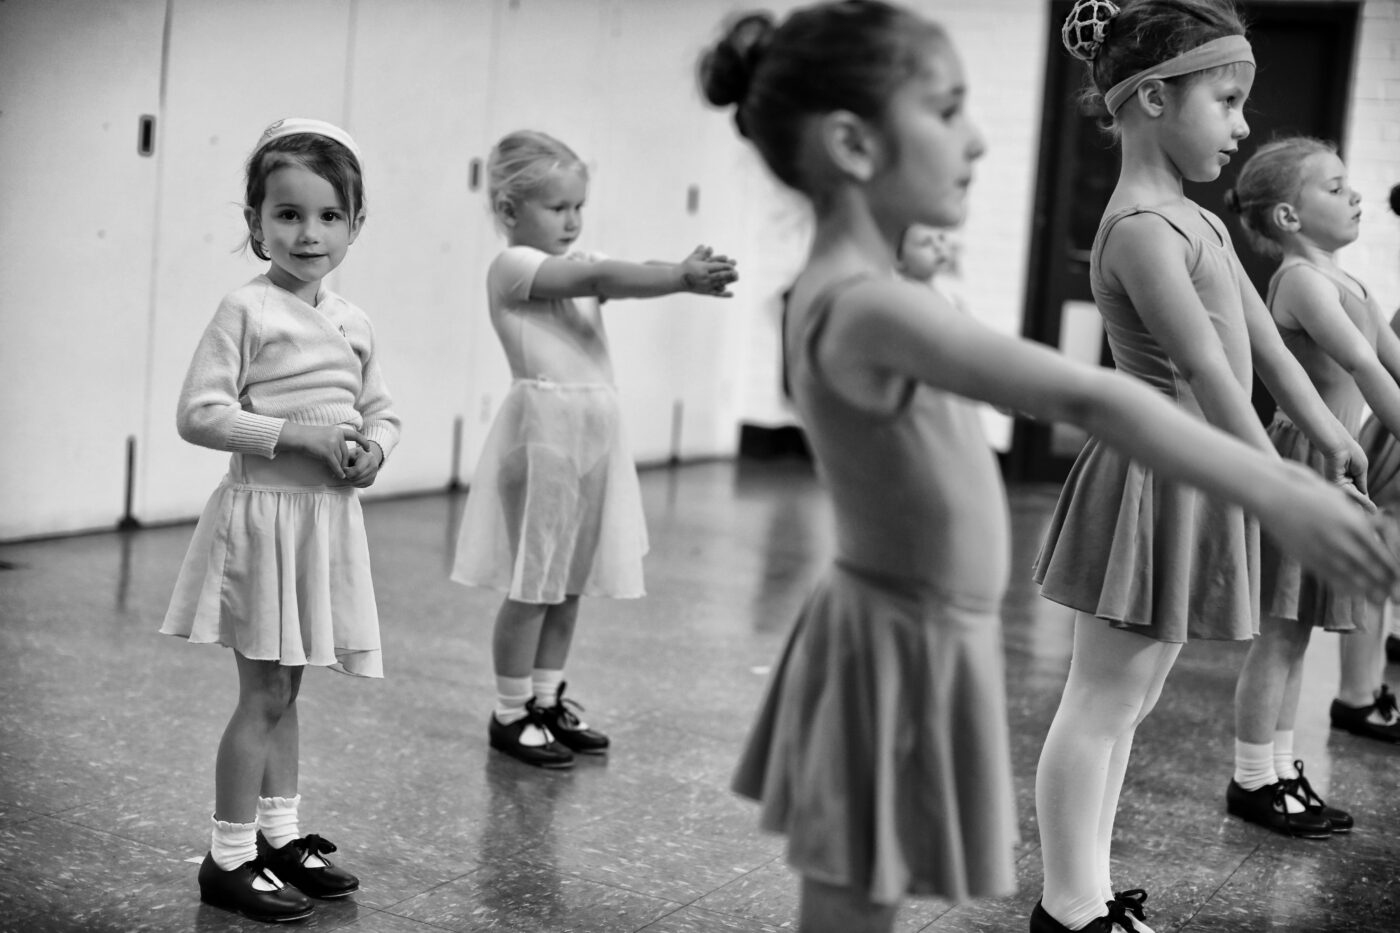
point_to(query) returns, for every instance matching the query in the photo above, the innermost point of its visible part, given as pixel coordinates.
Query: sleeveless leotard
(1144, 553)
(1287, 591)
(881, 748)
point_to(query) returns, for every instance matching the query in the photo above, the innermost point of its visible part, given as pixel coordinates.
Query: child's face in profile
(550, 218)
(933, 144)
(1328, 208)
(923, 253)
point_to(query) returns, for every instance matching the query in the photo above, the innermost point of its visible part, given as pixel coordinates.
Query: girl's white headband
(294, 125)
(1227, 50)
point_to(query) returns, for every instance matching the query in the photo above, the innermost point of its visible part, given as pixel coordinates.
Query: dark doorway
(1304, 54)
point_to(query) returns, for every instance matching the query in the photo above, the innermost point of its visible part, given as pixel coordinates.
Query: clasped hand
(347, 453)
(706, 273)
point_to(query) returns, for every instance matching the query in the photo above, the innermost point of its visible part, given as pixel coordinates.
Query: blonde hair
(1272, 176)
(522, 161)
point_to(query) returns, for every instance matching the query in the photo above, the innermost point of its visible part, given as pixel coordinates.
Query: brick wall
(1372, 150)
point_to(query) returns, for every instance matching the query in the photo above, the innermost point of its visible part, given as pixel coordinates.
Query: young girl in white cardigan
(286, 379)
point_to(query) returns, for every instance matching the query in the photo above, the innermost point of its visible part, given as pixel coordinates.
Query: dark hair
(850, 55)
(1272, 176)
(1144, 33)
(1395, 199)
(315, 153)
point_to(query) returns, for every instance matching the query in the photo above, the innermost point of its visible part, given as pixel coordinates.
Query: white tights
(1115, 678)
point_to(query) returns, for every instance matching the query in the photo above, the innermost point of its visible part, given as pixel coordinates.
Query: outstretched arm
(898, 327)
(701, 273)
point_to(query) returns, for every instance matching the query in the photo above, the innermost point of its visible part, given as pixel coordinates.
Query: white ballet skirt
(554, 508)
(278, 569)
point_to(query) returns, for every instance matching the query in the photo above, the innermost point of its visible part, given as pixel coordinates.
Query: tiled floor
(108, 731)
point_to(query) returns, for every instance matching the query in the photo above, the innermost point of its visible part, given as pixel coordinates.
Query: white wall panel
(545, 76)
(419, 75)
(665, 184)
(232, 69)
(771, 231)
(75, 254)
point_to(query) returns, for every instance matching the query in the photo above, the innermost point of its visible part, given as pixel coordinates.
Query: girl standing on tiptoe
(1296, 206)
(1147, 562)
(554, 511)
(881, 747)
(286, 378)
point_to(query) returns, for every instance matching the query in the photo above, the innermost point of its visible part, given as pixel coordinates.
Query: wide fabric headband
(294, 125)
(1227, 50)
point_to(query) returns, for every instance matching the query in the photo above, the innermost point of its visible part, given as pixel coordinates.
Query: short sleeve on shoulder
(585, 255)
(512, 273)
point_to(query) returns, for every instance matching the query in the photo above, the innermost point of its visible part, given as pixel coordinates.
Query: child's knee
(270, 696)
(1289, 637)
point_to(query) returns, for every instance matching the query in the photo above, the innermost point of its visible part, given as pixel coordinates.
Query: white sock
(277, 819)
(1254, 765)
(545, 683)
(232, 844)
(1254, 768)
(1283, 755)
(512, 693)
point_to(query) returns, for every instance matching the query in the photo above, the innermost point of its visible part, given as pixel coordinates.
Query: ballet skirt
(278, 569)
(881, 748)
(1140, 552)
(554, 508)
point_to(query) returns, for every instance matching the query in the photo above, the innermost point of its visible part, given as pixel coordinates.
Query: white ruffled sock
(277, 819)
(232, 844)
(278, 822)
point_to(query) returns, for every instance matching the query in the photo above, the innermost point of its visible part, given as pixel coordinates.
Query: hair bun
(727, 70)
(1085, 27)
(1395, 199)
(1232, 201)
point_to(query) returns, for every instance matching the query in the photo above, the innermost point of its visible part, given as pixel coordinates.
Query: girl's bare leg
(516, 637)
(1272, 666)
(1362, 664)
(266, 691)
(284, 748)
(557, 634)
